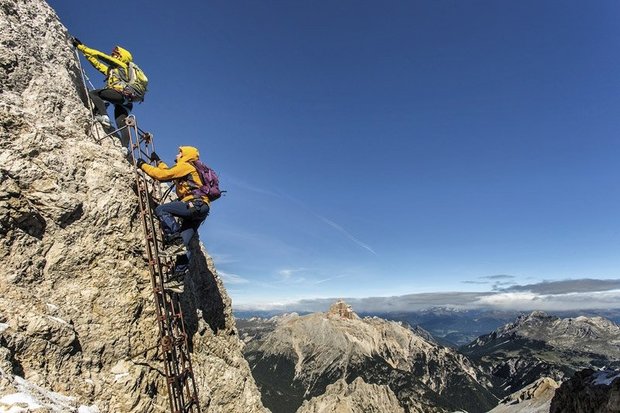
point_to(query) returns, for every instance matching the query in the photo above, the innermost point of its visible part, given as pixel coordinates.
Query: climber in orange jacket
(115, 68)
(190, 208)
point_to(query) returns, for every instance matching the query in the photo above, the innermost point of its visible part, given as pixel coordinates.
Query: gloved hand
(139, 163)
(154, 157)
(75, 41)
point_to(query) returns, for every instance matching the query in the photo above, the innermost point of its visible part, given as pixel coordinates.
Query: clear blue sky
(385, 148)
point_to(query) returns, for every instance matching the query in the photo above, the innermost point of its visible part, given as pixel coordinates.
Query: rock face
(76, 307)
(539, 345)
(535, 398)
(342, 310)
(357, 396)
(301, 356)
(589, 392)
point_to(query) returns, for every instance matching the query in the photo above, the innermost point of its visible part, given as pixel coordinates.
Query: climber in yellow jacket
(192, 209)
(115, 68)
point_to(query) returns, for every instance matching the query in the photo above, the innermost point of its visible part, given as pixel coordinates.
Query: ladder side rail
(148, 228)
(188, 363)
(173, 336)
(91, 105)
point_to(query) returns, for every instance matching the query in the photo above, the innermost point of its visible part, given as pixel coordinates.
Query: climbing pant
(191, 218)
(121, 108)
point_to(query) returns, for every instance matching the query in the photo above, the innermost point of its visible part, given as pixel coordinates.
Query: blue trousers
(191, 218)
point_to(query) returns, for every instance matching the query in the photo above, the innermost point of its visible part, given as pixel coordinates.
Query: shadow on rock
(202, 298)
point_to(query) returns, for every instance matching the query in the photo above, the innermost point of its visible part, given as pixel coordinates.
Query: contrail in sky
(351, 237)
(301, 204)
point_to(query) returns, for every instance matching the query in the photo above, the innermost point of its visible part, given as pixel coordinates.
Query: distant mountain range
(540, 345)
(453, 327)
(294, 358)
(314, 360)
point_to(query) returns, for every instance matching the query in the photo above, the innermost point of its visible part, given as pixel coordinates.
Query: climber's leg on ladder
(189, 227)
(121, 111)
(191, 217)
(100, 108)
(167, 213)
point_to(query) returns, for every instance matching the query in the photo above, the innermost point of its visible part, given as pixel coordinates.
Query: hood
(125, 54)
(189, 153)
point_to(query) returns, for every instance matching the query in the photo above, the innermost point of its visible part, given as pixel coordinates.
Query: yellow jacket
(109, 65)
(179, 173)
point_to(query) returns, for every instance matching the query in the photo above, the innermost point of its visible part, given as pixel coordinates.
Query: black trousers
(121, 109)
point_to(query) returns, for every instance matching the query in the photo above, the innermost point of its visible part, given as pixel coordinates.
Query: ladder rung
(173, 338)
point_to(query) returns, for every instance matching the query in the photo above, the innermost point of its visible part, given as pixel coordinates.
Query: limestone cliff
(77, 320)
(354, 397)
(302, 355)
(534, 398)
(541, 345)
(588, 391)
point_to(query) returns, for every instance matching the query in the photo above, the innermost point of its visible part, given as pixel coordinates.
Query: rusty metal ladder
(173, 340)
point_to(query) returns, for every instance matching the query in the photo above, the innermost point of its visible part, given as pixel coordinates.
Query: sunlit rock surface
(76, 307)
(295, 358)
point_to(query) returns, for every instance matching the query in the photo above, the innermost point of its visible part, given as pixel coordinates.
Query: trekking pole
(91, 105)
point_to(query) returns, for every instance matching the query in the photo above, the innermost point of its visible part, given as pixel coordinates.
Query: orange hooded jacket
(179, 173)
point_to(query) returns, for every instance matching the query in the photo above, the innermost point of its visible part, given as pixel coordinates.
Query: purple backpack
(210, 182)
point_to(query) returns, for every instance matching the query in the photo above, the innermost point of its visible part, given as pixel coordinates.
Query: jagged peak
(583, 334)
(539, 314)
(535, 397)
(536, 317)
(342, 310)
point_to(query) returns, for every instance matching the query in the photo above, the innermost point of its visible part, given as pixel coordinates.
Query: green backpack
(135, 83)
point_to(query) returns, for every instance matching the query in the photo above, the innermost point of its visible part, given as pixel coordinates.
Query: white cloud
(289, 274)
(527, 301)
(232, 278)
(223, 259)
(501, 300)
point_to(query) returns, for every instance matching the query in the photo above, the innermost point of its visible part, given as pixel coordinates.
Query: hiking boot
(173, 239)
(104, 120)
(179, 272)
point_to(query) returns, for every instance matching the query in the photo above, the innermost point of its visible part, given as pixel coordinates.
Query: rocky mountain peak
(581, 333)
(538, 314)
(342, 310)
(588, 391)
(535, 318)
(534, 398)
(77, 315)
(357, 396)
(315, 350)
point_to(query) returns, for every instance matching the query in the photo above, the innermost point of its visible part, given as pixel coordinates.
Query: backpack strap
(131, 71)
(193, 184)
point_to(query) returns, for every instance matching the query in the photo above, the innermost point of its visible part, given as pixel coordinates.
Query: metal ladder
(182, 390)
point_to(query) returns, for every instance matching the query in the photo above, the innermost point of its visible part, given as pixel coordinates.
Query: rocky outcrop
(535, 398)
(75, 299)
(596, 335)
(342, 310)
(589, 391)
(357, 396)
(539, 345)
(302, 355)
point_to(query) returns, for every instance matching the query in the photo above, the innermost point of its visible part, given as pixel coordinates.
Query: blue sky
(386, 148)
